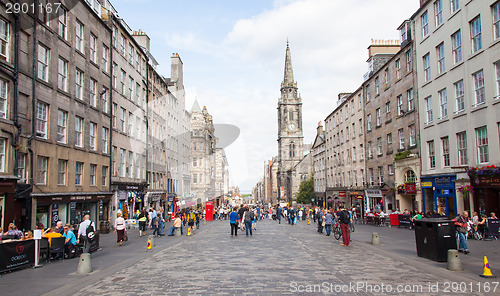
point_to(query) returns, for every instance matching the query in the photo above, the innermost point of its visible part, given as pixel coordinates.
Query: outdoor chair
(57, 246)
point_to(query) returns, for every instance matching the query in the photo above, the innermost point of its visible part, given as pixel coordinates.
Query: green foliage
(402, 155)
(306, 191)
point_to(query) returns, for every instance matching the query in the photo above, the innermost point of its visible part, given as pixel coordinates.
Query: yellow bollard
(149, 244)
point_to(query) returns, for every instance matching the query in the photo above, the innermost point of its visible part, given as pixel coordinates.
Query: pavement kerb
(76, 285)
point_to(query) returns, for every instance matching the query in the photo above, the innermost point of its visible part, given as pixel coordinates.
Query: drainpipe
(33, 102)
(111, 111)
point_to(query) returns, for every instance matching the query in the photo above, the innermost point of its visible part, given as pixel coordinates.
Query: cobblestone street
(276, 260)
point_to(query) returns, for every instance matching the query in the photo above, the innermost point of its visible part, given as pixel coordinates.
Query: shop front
(129, 200)
(486, 189)
(406, 198)
(171, 204)
(374, 200)
(10, 208)
(71, 207)
(155, 199)
(319, 198)
(439, 195)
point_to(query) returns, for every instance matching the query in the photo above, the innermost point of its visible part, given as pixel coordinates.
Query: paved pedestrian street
(276, 260)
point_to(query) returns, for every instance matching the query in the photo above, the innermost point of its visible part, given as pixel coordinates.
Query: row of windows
(128, 164)
(129, 123)
(42, 124)
(129, 53)
(461, 149)
(478, 95)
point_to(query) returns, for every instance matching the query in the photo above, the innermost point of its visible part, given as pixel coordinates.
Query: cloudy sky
(234, 50)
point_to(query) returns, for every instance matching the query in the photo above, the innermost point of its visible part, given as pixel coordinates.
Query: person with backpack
(191, 219)
(344, 219)
(319, 217)
(86, 233)
(248, 216)
(234, 219)
(143, 220)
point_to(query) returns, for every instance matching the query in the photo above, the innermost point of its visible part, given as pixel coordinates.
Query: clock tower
(290, 136)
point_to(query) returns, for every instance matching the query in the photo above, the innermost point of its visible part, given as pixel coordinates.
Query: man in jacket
(461, 226)
(344, 219)
(82, 233)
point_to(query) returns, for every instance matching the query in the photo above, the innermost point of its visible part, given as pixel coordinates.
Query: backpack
(344, 217)
(192, 217)
(90, 232)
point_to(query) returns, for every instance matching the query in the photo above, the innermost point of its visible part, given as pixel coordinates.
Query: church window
(292, 150)
(290, 114)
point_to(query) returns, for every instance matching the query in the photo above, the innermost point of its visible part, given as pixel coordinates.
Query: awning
(373, 193)
(154, 196)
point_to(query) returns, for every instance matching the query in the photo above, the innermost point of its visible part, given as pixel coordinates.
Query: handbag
(323, 224)
(125, 237)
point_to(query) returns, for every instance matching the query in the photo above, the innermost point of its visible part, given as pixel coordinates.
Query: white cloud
(328, 41)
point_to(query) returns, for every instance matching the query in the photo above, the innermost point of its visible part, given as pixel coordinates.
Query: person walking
(279, 212)
(156, 225)
(461, 228)
(319, 217)
(234, 219)
(191, 219)
(161, 223)
(328, 222)
(344, 219)
(248, 217)
(143, 220)
(120, 228)
(84, 233)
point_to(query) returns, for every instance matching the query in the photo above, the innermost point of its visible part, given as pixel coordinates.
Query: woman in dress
(120, 228)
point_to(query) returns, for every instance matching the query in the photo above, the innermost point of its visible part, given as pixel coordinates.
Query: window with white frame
(62, 167)
(62, 126)
(105, 137)
(62, 23)
(369, 122)
(353, 130)
(424, 20)
(104, 176)
(443, 104)
(130, 53)
(43, 14)
(368, 97)
(411, 102)
(370, 151)
(4, 39)
(121, 169)
(380, 175)
(138, 61)
(401, 135)
(93, 48)
(113, 73)
(440, 58)
(22, 173)
(431, 153)
(400, 105)
(372, 176)
(104, 99)
(360, 126)
(379, 146)
(388, 107)
(475, 34)
(41, 170)
(377, 85)
(413, 136)
(497, 71)
(354, 154)
(79, 84)
(478, 82)
(455, 5)
(105, 58)
(410, 177)
(78, 131)
(427, 67)
(93, 136)
(79, 173)
(42, 119)
(438, 12)
(93, 93)
(459, 96)
(114, 111)
(398, 68)
(3, 151)
(462, 148)
(79, 36)
(123, 41)
(122, 81)
(445, 144)
(137, 93)
(408, 61)
(386, 75)
(389, 139)
(379, 118)
(390, 169)
(122, 119)
(456, 43)
(93, 175)
(4, 93)
(130, 129)
(482, 144)
(130, 164)
(495, 10)
(62, 74)
(428, 109)
(130, 88)
(43, 63)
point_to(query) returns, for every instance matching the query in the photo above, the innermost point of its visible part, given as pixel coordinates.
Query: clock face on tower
(291, 126)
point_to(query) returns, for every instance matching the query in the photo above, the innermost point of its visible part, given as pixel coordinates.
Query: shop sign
(122, 195)
(83, 197)
(101, 211)
(443, 180)
(373, 193)
(488, 181)
(342, 194)
(411, 188)
(426, 184)
(55, 213)
(359, 197)
(72, 212)
(282, 192)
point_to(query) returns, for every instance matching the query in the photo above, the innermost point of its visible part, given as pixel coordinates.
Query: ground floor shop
(486, 190)
(439, 195)
(70, 208)
(129, 200)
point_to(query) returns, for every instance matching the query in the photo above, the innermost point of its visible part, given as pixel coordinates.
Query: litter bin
(104, 227)
(434, 237)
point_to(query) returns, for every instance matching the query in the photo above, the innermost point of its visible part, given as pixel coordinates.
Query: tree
(306, 191)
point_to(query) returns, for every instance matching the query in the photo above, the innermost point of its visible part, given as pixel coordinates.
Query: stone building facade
(458, 65)
(319, 166)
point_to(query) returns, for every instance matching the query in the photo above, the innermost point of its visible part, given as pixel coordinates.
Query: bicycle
(337, 232)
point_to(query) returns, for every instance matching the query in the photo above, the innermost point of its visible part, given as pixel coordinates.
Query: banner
(17, 254)
(55, 214)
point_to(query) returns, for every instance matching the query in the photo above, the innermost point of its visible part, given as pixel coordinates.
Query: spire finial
(286, 41)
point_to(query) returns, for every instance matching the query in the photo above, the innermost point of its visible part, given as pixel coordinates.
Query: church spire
(288, 79)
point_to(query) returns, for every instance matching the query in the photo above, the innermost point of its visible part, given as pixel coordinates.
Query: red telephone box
(209, 211)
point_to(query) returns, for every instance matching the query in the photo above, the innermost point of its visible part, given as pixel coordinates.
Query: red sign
(342, 194)
(411, 188)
